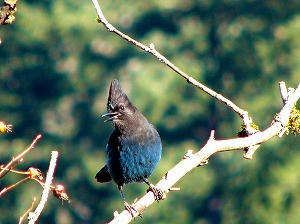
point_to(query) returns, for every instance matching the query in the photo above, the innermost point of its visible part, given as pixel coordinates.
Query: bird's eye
(122, 107)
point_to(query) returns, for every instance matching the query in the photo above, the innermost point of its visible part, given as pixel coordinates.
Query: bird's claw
(131, 210)
(158, 193)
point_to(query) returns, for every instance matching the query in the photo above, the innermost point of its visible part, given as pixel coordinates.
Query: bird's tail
(103, 175)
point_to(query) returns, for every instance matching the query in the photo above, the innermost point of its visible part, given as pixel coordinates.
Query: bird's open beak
(111, 116)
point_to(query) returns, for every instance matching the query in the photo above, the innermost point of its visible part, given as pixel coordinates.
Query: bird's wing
(114, 145)
(103, 175)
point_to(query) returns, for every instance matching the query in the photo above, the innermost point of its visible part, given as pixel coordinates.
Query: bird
(134, 147)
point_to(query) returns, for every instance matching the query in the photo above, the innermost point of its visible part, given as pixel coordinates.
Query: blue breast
(139, 159)
(133, 157)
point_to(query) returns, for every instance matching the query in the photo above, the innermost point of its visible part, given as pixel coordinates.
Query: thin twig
(212, 146)
(15, 160)
(15, 171)
(52, 187)
(6, 189)
(151, 49)
(33, 216)
(27, 211)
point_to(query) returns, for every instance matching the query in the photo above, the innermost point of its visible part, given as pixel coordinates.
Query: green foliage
(294, 122)
(56, 63)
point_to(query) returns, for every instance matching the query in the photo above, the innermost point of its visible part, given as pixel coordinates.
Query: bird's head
(120, 109)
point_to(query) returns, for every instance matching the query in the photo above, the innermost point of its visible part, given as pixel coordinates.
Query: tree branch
(33, 216)
(15, 160)
(6, 189)
(212, 146)
(151, 49)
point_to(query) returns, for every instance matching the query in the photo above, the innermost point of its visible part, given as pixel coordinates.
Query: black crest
(116, 96)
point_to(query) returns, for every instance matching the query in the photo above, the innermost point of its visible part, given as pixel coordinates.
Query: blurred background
(56, 63)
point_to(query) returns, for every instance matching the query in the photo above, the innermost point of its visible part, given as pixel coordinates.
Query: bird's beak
(111, 116)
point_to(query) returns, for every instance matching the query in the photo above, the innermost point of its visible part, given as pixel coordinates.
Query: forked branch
(15, 160)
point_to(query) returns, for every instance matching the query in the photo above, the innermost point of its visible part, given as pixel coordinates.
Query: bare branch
(15, 171)
(151, 49)
(33, 216)
(15, 160)
(201, 157)
(6, 189)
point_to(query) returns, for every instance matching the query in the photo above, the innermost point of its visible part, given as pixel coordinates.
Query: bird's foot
(131, 210)
(158, 193)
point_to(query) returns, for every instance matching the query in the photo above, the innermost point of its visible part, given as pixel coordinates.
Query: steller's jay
(134, 147)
